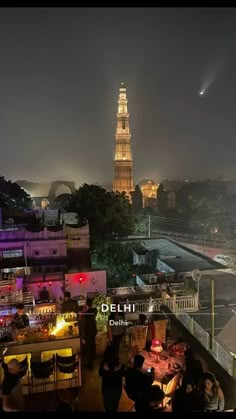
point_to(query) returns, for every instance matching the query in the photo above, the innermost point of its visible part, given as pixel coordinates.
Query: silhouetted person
(137, 380)
(187, 398)
(69, 305)
(88, 332)
(152, 400)
(111, 372)
(44, 295)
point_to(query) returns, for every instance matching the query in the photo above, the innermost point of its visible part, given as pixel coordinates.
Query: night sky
(59, 78)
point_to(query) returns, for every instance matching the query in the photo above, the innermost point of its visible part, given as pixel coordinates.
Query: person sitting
(151, 401)
(13, 400)
(69, 305)
(213, 395)
(187, 398)
(44, 295)
(138, 381)
(20, 319)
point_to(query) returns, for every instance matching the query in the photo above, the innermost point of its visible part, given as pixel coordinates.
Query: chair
(67, 365)
(42, 371)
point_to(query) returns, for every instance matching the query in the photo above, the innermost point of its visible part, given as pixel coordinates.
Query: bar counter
(43, 350)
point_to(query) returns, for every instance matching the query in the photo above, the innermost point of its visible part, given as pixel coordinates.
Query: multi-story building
(44, 251)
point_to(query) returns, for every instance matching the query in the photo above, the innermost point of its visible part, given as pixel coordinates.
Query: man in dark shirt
(138, 381)
(88, 331)
(20, 319)
(69, 305)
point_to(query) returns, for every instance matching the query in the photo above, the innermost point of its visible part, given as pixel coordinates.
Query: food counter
(43, 343)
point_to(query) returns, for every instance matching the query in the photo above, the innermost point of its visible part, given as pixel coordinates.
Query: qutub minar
(123, 179)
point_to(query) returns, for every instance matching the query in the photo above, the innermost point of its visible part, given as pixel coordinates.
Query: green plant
(102, 318)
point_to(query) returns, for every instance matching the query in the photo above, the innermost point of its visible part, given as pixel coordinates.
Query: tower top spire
(122, 86)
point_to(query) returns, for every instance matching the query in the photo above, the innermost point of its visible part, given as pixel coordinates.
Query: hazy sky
(59, 78)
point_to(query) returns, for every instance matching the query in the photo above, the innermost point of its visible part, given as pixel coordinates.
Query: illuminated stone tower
(123, 179)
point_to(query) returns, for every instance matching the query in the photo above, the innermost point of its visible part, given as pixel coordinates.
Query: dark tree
(12, 196)
(109, 214)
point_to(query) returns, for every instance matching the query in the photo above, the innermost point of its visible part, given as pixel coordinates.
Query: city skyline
(61, 69)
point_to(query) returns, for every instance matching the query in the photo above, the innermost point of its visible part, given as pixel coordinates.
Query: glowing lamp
(156, 348)
(38, 285)
(50, 283)
(80, 279)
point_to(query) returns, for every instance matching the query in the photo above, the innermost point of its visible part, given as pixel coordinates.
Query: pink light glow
(156, 342)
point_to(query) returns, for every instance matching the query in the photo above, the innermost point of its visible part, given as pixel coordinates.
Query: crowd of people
(193, 393)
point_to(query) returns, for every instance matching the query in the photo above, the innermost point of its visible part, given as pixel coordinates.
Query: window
(36, 253)
(54, 252)
(14, 253)
(123, 123)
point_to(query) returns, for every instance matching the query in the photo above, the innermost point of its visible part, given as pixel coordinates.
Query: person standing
(20, 319)
(88, 332)
(116, 331)
(69, 305)
(111, 372)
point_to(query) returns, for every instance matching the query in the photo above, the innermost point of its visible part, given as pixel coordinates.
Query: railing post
(191, 325)
(175, 308)
(163, 297)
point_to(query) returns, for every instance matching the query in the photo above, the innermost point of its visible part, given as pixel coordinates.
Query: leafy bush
(102, 318)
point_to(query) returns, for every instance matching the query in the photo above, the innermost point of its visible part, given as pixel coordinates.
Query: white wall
(94, 281)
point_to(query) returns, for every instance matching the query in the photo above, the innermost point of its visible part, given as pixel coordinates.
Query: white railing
(7, 282)
(18, 297)
(175, 304)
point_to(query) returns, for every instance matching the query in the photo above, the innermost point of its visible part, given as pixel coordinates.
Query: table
(166, 380)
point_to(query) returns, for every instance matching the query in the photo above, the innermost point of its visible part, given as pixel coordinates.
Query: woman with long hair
(212, 394)
(112, 373)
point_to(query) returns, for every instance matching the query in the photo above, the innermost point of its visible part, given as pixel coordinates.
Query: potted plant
(102, 320)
